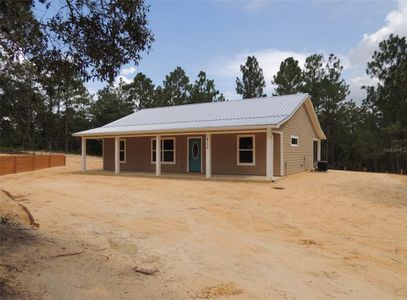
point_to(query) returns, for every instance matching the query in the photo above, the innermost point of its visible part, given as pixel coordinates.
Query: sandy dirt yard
(309, 236)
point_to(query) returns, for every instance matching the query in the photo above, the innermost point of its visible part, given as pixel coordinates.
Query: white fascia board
(171, 131)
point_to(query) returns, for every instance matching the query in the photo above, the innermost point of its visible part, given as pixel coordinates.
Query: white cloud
(355, 86)
(121, 78)
(269, 60)
(354, 62)
(227, 69)
(129, 70)
(256, 5)
(396, 23)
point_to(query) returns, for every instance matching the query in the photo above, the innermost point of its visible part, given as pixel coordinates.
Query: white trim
(318, 149)
(162, 150)
(208, 155)
(180, 133)
(157, 157)
(291, 141)
(185, 131)
(124, 151)
(103, 154)
(281, 151)
(253, 136)
(270, 155)
(194, 137)
(117, 155)
(83, 155)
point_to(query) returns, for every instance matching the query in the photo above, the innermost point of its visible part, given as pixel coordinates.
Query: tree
(204, 90)
(388, 100)
(176, 88)
(313, 76)
(323, 81)
(96, 37)
(111, 104)
(141, 91)
(289, 78)
(252, 83)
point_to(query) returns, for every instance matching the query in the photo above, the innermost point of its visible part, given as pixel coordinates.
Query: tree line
(46, 59)
(371, 136)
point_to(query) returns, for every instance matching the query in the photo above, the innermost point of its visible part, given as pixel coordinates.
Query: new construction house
(269, 136)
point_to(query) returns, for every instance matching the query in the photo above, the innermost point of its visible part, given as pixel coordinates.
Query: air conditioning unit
(322, 166)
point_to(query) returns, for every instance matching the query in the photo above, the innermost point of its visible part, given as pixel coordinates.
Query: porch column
(208, 158)
(83, 155)
(269, 154)
(117, 155)
(319, 151)
(158, 155)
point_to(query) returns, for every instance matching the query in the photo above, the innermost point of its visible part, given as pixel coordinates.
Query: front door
(195, 154)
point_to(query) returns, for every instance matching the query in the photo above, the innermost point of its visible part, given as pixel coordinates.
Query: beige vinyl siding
(138, 155)
(224, 155)
(298, 158)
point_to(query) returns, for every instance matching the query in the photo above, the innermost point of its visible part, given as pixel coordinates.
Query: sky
(217, 37)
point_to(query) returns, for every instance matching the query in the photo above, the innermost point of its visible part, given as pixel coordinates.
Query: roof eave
(172, 131)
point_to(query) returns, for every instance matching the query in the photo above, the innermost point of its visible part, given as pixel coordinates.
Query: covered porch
(232, 155)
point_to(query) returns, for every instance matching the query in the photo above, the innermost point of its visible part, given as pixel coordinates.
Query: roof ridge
(193, 121)
(218, 102)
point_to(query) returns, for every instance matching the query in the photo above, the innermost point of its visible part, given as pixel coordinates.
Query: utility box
(322, 166)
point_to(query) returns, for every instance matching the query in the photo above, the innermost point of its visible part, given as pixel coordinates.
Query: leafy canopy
(96, 37)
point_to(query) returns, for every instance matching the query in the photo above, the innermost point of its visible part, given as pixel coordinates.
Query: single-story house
(269, 136)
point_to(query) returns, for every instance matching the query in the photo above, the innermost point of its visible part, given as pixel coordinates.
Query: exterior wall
(298, 158)
(138, 155)
(224, 155)
(224, 151)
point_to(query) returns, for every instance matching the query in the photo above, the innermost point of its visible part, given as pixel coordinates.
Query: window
(167, 151)
(122, 151)
(246, 150)
(294, 141)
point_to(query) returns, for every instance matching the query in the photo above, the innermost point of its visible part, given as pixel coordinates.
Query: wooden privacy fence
(10, 164)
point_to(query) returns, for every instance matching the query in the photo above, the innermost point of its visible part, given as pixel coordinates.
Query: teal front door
(195, 155)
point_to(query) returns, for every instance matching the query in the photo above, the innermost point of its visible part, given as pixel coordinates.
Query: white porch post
(117, 155)
(208, 158)
(158, 155)
(282, 154)
(319, 150)
(83, 155)
(269, 154)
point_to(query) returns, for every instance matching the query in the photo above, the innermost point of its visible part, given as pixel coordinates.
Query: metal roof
(265, 111)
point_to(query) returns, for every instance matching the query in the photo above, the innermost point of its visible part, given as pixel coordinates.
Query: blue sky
(217, 36)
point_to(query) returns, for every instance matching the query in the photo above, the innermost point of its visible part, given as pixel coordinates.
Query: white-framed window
(294, 141)
(167, 150)
(246, 150)
(122, 151)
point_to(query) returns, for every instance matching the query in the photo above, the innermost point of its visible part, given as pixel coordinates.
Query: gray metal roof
(254, 112)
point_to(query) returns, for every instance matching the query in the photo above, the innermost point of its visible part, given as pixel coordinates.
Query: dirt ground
(308, 236)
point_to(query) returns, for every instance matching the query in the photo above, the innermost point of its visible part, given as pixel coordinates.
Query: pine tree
(204, 90)
(252, 83)
(289, 78)
(141, 91)
(176, 88)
